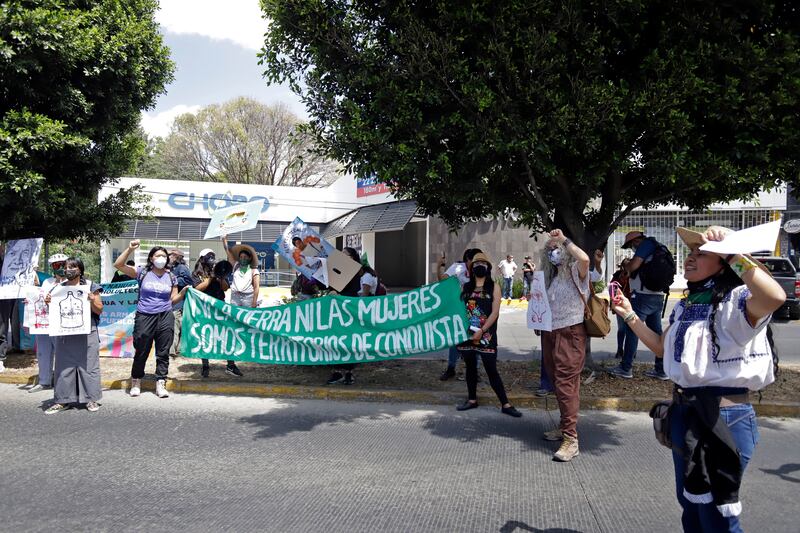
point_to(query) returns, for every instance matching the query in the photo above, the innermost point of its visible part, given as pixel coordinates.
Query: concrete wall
(497, 238)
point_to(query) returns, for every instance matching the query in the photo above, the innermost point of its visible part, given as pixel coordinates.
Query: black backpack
(658, 273)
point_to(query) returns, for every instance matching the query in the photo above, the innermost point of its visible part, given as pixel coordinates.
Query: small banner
(19, 267)
(116, 320)
(326, 331)
(539, 315)
(69, 311)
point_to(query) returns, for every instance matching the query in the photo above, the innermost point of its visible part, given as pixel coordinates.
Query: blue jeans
(648, 308)
(622, 332)
(507, 287)
(704, 517)
(526, 287)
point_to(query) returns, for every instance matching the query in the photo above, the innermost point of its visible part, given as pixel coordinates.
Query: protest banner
(116, 320)
(69, 311)
(241, 217)
(326, 331)
(36, 315)
(539, 316)
(314, 257)
(18, 270)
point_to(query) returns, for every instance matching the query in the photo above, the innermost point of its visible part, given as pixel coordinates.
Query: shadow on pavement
(512, 525)
(784, 470)
(596, 433)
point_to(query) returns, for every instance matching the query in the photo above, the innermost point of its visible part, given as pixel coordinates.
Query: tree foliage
(240, 141)
(570, 113)
(75, 77)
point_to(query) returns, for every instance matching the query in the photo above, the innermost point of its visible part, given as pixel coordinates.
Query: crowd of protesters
(716, 349)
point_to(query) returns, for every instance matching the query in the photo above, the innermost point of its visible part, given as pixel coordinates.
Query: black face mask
(480, 271)
(72, 273)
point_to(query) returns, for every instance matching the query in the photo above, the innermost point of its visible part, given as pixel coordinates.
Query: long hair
(469, 286)
(552, 271)
(202, 269)
(723, 283)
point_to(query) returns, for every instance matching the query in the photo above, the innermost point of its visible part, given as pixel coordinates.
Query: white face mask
(555, 256)
(160, 262)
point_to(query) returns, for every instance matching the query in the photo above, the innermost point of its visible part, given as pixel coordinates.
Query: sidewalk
(406, 380)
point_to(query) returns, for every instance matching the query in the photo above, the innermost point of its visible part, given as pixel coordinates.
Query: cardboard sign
(70, 312)
(18, 267)
(234, 219)
(539, 317)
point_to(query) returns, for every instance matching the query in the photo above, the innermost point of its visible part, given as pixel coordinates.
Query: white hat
(206, 251)
(57, 258)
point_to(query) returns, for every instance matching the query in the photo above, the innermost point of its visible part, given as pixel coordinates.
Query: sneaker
(467, 405)
(233, 370)
(204, 372)
(447, 374)
(92, 407)
(511, 411)
(541, 393)
(553, 435)
(39, 387)
(568, 450)
(336, 377)
(161, 388)
(136, 387)
(620, 372)
(656, 374)
(348, 379)
(56, 408)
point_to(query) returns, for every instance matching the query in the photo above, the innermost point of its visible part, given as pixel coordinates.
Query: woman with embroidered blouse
(716, 349)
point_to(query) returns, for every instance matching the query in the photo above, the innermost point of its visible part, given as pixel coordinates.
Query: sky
(214, 45)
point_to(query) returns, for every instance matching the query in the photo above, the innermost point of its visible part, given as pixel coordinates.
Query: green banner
(325, 331)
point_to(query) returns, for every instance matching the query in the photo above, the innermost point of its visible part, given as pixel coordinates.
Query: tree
(570, 113)
(241, 141)
(75, 77)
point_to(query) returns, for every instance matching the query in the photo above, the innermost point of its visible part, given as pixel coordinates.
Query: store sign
(792, 226)
(190, 201)
(370, 186)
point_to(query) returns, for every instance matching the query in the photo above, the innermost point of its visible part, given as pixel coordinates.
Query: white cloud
(159, 124)
(234, 20)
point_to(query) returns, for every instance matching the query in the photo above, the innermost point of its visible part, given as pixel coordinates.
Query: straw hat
(695, 239)
(630, 237)
(236, 250)
(480, 256)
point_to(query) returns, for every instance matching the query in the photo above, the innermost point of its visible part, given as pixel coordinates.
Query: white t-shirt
(595, 276)
(566, 304)
(458, 270)
(744, 359)
(507, 269)
(368, 279)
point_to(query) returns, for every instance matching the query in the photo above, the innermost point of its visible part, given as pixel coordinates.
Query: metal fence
(662, 224)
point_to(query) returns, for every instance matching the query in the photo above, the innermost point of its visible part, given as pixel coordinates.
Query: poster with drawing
(19, 264)
(37, 316)
(314, 257)
(70, 311)
(241, 217)
(539, 316)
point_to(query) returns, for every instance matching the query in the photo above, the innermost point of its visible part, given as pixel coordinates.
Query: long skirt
(78, 368)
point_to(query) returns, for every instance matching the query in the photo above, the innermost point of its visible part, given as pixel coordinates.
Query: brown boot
(568, 449)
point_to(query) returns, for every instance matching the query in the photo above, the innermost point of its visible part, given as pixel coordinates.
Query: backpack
(658, 273)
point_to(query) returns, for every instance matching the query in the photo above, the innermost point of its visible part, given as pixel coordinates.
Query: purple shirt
(154, 292)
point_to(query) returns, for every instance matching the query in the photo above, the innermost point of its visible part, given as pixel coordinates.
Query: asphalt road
(518, 343)
(214, 463)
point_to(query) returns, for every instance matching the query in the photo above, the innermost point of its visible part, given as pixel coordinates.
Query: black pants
(490, 364)
(230, 363)
(158, 328)
(6, 333)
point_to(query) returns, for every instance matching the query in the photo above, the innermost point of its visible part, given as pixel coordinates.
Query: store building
(401, 244)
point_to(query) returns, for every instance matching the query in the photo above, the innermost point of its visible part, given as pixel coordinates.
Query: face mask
(210, 259)
(160, 262)
(480, 271)
(244, 260)
(59, 272)
(554, 256)
(72, 273)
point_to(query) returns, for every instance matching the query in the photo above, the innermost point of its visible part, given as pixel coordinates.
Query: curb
(775, 409)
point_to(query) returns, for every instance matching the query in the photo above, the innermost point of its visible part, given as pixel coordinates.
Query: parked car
(784, 273)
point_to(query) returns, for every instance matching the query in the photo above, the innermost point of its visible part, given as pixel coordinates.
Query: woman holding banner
(154, 322)
(210, 278)
(44, 342)
(482, 299)
(78, 356)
